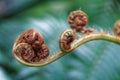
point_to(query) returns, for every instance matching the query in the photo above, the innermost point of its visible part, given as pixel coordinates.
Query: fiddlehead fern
(66, 39)
(116, 28)
(29, 48)
(78, 20)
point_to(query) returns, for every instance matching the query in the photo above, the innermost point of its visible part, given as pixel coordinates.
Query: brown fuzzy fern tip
(78, 20)
(30, 47)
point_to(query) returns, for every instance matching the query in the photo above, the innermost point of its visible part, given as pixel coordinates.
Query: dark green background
(96, 60)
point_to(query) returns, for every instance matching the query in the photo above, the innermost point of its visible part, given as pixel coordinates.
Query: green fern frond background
(96, 60)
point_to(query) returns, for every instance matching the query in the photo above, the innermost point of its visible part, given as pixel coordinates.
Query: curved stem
(45, 61)
(75, 44)
(96, 36)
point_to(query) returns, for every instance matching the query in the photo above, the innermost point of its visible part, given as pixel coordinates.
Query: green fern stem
(96, 36)
(74, 45)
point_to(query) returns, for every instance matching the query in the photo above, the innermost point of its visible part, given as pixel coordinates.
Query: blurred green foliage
(96, 60)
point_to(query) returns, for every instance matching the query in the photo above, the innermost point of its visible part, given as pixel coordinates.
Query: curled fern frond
(29, 47)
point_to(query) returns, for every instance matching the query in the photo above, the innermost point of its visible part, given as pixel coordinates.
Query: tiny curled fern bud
(78, 20)
(30, 47)
(24, 51)
(66, 38)
(116, 28)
